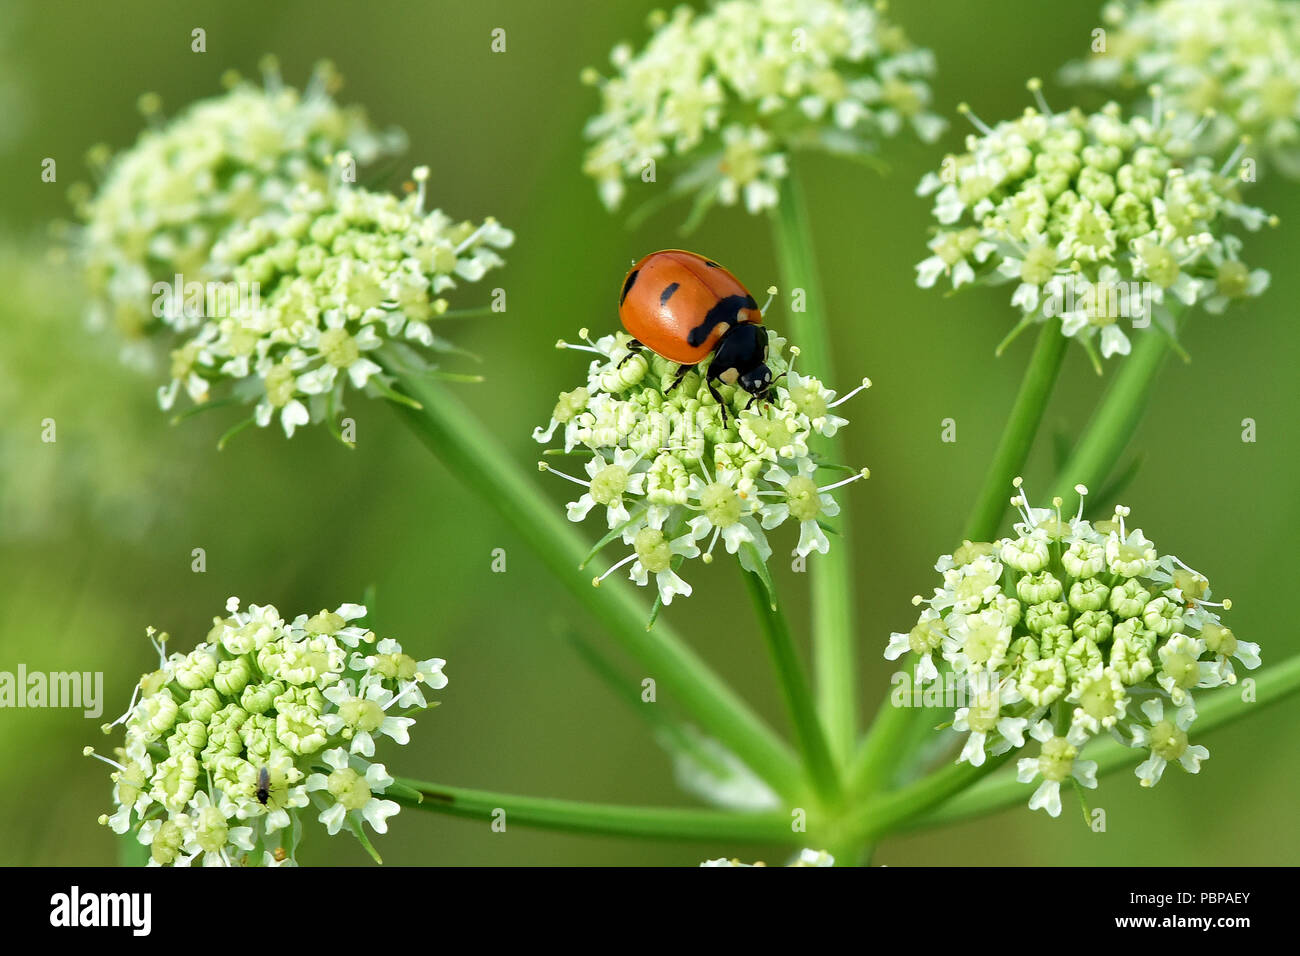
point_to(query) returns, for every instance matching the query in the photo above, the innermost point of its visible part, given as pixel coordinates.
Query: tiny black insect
(263, 792)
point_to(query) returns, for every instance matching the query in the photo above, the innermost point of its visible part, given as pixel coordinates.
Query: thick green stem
(834, 636)
(1018, 435)
(880, 754)
(795, 692)
(1116, 418)
(888, 812)
(661, 823)
(1214, 711)
(469, 450)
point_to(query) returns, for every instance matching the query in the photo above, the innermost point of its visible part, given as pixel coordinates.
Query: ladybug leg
(682, 372)
(717, 398)
(633, 348)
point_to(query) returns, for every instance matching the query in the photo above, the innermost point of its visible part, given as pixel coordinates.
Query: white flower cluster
(1067, 630)
(227, 745)
(805, 858)
(718, 98)
(669, 467)
(340, 272)
(1093, 220)
(163, 202)
(1232, 65)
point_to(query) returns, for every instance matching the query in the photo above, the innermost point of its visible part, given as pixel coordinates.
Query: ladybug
(684, 307)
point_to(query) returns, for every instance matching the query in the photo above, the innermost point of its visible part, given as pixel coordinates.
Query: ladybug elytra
(684, 308)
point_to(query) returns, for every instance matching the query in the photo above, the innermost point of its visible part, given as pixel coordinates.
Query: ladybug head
(741, 359)
(757, 380)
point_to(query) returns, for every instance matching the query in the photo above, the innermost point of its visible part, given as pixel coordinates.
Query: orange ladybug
(684, 308)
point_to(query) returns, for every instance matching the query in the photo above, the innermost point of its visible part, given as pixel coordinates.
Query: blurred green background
(98, 528)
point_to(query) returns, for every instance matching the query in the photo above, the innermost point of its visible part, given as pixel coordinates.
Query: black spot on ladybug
(667, 293)
(627, 286)
(726, 311)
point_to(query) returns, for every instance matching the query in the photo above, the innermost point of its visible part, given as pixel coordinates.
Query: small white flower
(1057, 762)
(1166, 739)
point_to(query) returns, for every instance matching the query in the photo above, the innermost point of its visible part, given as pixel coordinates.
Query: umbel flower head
(1067, 630)
(1091, 218)
(672, 473)
(716, 99)
(162, 203)
(230, 747)
(1232, 64)
(338, 273)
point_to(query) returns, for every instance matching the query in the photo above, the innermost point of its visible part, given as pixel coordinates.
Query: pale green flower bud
(232, 676)
(1082, 657)
(1038, 588)
(1129, 599)
(1044, 615)
(1027, 554)
(1094, 625)
(1088, 595)
(1084, 559)
(1042, 682)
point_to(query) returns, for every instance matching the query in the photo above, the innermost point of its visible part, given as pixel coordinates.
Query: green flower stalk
(1230, 68)
(231, 746)
(1069, 630)
(804, 858)
(162, 204)
(673, 473)
(340, 273)
(717, 99)
(1094, 219)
